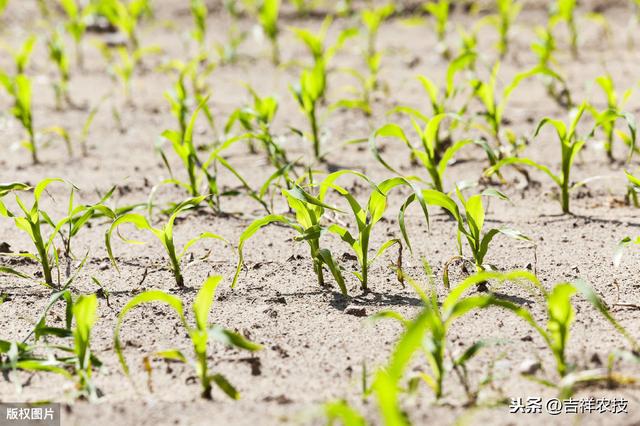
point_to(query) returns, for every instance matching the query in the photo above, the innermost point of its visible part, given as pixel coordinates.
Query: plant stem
(34, 149)
(314, 132)
(565, 195)
(275, 52)
(175, 266)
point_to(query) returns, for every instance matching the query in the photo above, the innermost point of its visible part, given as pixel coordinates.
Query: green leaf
(232, 339)
(254, 227)
(204, 300)
(145, 297)
(225, 386)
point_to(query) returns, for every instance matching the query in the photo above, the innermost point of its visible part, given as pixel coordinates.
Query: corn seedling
(76, 25)
(366, 218)
(607, 118)
(565, 11)
(442, 102)
(35, 221)
(309, 92)
(468, 44)
(163, 234)
(257, 119)
(31, 223)
(125, 64)
(58, 56)
(228, 52)
(309, 211)
(200, 172)
(362, 99)
(470, 223)
(428, 334)
(86, 127)
(19, 88)
(125, 16)
(312, 85)
(199, 12)
(372, 19)
(200, 335)
(440, 12)
(570, 146)
(316, 43)
(561, 315)
(77, 362)
(508, 11)
(268, 17)
(544, 48)
(495, 102)
(427, 152)
(192, 77)
(494, 105)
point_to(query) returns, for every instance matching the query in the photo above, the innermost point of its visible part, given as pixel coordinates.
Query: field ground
(314, 346)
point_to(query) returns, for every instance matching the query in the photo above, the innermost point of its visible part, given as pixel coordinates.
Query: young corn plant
(442, 101)
(570, 146)
(508, 11)
(18, 87)
(565, 11)
(470, 223)
(607, 118)
(428, 152)
(203, 172)
(309, 92)
(58, 55)
(78, 14)
(268, 18)
(561, 315)
(257, 119)
(312, 85)
(316, 43)
(372, 19)
(35, 222)
(309, 211)
(495, 104)
(228, 52)
(199, 334)
(428, 334)
(76, 362)
(125, 64)
(82, 359)
(366, 218)
(440, 12)
(191, 85)
(125, 16)
(544, 47)
(199, 11)
(164, 234)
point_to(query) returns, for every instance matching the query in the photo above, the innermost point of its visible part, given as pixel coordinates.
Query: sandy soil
(314, 351)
